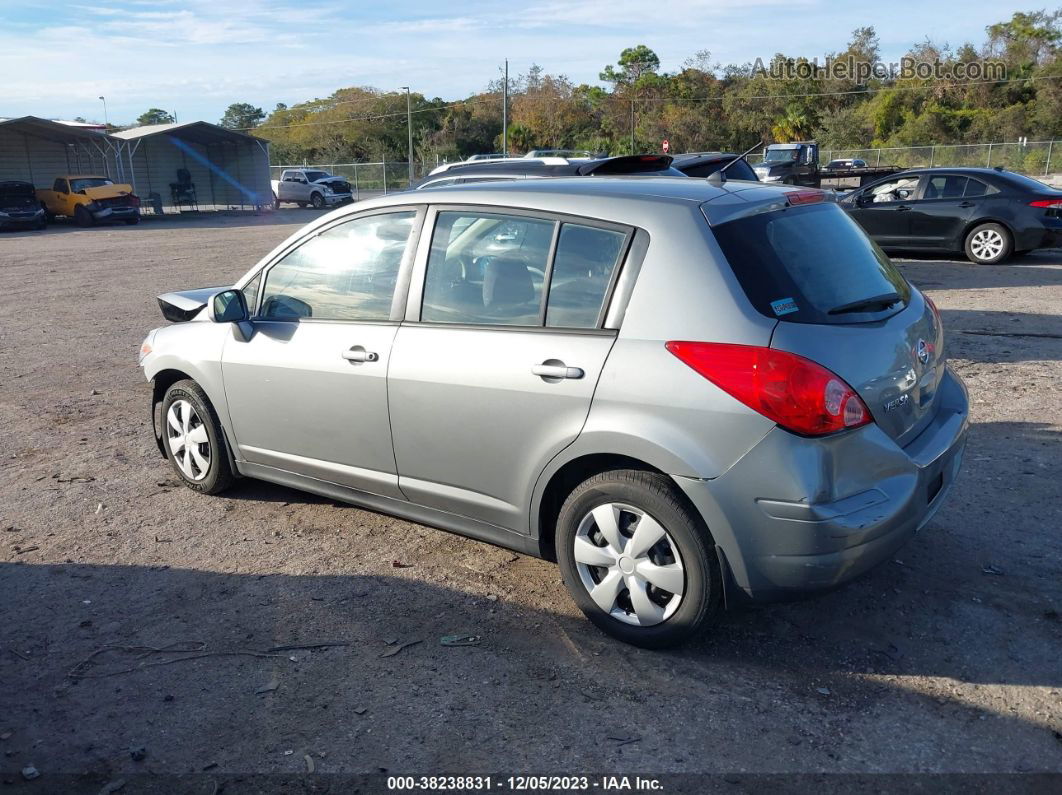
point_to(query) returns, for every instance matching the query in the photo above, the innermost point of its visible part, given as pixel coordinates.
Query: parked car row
(85, 199)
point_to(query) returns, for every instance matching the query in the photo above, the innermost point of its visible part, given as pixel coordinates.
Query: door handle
(359, 354)
(903, 208)
(552, 368)
(966, 204)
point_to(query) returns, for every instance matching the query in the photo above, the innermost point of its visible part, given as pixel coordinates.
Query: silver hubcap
(629, 564)
(986, 244)
(189, 443)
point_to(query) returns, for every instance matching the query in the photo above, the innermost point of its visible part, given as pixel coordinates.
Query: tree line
(701, 107)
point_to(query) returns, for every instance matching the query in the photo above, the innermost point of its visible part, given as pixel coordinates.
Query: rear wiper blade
(866, 304)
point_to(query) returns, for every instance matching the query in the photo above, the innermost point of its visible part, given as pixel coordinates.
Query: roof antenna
(717, 178)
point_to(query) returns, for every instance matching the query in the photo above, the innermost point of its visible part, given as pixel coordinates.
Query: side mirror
(228, 307)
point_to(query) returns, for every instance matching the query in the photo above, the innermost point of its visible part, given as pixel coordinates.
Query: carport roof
(199, 132)
(53, 130)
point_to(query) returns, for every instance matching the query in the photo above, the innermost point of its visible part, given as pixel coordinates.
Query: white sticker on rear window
(783, 306)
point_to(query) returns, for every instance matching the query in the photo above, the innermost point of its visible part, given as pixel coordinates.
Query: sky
(195, 57)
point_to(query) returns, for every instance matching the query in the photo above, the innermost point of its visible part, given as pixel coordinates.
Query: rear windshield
(812, 264)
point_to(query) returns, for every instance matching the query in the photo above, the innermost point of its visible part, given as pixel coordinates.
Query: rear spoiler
(627, 164)
(177, 307)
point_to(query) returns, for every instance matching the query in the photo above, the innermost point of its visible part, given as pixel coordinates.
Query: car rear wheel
(276, 202)
(637, 559)
(194, 440)
(317, 200)
(82, 217)
(988, 244)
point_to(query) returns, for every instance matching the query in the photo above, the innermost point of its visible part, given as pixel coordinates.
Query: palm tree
(793, 126)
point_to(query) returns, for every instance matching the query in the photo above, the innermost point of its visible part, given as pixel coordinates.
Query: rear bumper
(798, 515)
(1045, 234)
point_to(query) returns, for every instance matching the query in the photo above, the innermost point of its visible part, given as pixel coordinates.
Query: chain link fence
(1035, 158)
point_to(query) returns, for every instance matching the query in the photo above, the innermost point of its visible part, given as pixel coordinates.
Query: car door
(941, 212)
(883, 209)
(307, 388)
(493, 373)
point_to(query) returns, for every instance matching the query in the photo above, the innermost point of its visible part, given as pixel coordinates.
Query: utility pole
(106, 121)
(505, 111)
(409, 126)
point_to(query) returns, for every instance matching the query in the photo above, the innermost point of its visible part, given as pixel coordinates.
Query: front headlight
(327, 188)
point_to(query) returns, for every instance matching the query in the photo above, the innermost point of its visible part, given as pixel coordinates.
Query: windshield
(811, 264)
(313, 176)
(77, 185)
(780, 155)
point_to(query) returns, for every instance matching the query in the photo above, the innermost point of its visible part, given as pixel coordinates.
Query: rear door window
(487, 268)
(945, 186)
(811, 264)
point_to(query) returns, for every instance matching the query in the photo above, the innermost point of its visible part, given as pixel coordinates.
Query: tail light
(1052, 204)
(798, 394)
(795, 197)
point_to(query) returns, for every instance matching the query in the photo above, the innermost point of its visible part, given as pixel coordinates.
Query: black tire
(978, 252)
(83, 217)
(49, 216)
(658, 497)
(317, 200)
(219, 475)
(133, 221)
(302, 205)
(276, 202)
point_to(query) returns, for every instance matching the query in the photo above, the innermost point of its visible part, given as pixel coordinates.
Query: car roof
(623, 199)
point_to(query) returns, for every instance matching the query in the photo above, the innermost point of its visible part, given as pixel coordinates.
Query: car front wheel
(82, 217)
(317, 200)
(637, 559)
(988, 244)
(194, 440)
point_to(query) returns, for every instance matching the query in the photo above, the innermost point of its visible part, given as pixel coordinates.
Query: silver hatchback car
(687, 394)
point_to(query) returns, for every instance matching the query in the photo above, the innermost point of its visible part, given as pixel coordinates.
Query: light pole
(409, 127)
(106, 121)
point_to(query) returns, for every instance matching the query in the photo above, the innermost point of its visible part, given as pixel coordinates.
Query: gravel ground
(944, 660)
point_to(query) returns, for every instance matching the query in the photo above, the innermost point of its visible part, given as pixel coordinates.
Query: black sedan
(988, 213)
(19, 208)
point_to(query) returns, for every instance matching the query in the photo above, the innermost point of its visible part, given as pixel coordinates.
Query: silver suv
(687, 394)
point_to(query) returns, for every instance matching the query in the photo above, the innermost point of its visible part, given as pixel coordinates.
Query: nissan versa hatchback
(687, 394)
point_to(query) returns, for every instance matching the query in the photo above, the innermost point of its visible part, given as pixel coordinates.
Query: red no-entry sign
(666, 146)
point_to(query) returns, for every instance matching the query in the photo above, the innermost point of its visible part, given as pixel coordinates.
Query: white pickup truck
(303, 186)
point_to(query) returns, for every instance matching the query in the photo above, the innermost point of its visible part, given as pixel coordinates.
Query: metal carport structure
(227, 168)
(39, 150)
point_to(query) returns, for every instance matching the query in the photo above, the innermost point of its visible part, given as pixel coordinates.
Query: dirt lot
(945, 660)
